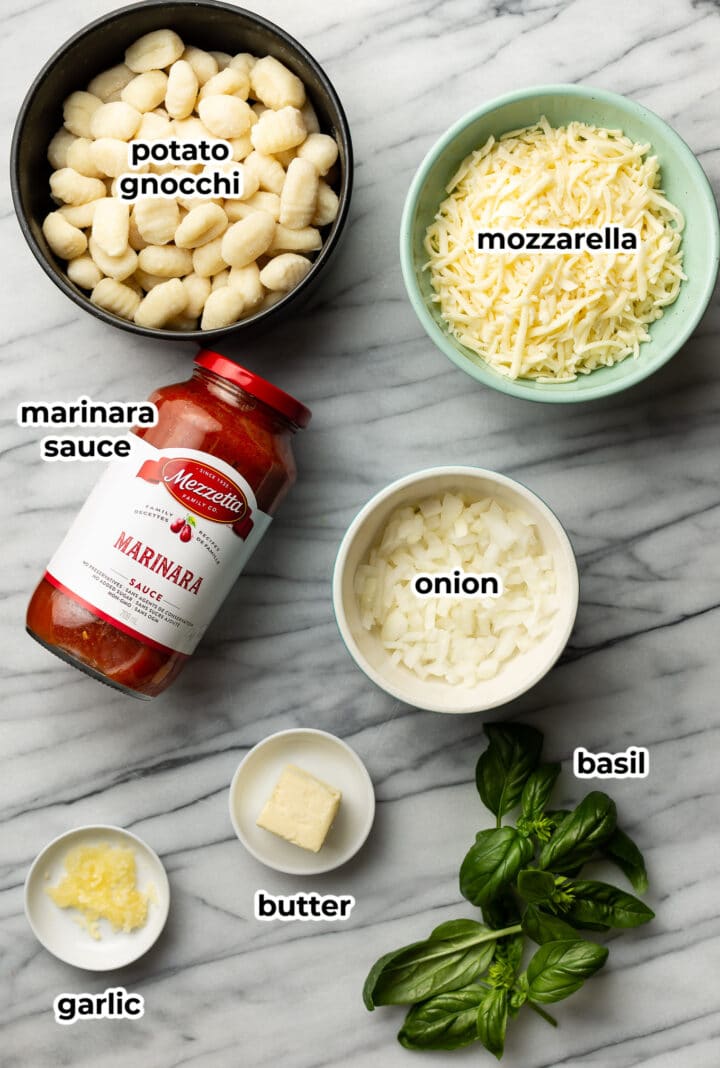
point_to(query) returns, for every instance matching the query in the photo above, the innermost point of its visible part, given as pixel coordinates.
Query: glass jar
(166, 532)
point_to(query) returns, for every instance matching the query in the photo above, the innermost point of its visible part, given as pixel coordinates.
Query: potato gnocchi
(190, 263)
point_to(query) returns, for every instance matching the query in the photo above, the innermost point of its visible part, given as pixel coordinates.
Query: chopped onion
(458, 639)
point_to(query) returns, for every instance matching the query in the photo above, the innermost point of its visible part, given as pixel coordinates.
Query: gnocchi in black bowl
(183, 170)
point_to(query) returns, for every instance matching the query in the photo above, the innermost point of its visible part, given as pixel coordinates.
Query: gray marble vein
(634, 479)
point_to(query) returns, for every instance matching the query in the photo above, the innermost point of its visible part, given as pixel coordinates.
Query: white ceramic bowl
(516, 676)
(58, 929)
(328, 758)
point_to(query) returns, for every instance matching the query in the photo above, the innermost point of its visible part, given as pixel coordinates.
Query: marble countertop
(633, 478)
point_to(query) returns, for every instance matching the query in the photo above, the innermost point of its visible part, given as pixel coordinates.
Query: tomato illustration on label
(183, 527)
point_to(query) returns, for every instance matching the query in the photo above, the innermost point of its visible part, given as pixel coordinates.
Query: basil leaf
(601, 903)
(491, 863)
(536, 886)
(454, 955)
(492, 1020)
(502, 911)
(558, 969)
(455, 929)
(623, 852)
(542, 927)
(537, 790)
(504, 767)
(448, 1021)
(580, 833)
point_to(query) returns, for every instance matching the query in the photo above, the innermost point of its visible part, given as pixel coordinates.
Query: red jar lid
(282, 402)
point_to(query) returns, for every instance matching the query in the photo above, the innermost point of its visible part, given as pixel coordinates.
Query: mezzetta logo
(204, 490)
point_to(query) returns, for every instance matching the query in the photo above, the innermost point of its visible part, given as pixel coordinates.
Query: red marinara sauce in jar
(164, 535)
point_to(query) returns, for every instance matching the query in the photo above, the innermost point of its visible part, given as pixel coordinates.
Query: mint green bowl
(683, 181)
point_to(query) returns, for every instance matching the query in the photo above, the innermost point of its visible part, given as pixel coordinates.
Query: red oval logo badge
(203, 490)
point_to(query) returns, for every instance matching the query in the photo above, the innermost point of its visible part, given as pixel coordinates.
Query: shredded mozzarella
(551, 317)
(462, 641)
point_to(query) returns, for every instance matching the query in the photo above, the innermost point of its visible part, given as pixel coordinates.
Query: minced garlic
(100, 882)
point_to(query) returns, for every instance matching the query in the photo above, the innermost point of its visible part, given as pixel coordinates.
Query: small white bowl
(328, 758)
(517, 675)
(60, 931)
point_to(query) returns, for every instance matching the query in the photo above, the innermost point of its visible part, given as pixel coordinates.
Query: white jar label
(159, 544)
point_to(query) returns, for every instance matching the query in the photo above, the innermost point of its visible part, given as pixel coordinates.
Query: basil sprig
(447, 1021)
(580, 833)
(558, 969)
(492, 1020)
(602, 904)
(505, 766)
(454, 955)
(537, 790)
(464, 982)
(622, 851)
(543, 927)
(536, 886)
(492, 862)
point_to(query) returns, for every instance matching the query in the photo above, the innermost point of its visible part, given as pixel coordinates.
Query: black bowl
(211, 25)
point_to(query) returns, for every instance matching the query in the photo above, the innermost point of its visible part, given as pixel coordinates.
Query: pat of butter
(301, 809)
